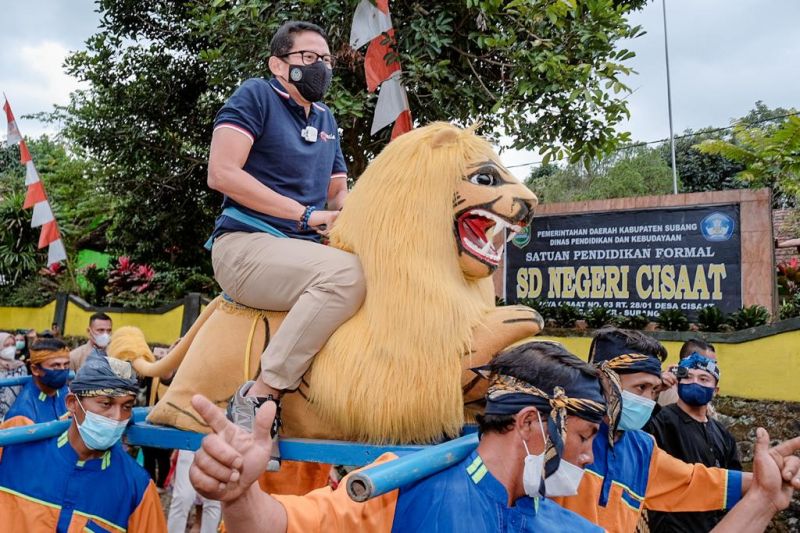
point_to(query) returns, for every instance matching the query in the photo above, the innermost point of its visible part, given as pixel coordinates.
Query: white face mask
(564, 481)
(8, 353)
(102, 340)
(534, 466)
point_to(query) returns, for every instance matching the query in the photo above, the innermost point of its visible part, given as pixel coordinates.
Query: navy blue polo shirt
(280, 158)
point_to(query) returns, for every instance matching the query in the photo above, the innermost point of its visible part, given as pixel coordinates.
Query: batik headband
(103, 376)
(508, 395)
(40, 356)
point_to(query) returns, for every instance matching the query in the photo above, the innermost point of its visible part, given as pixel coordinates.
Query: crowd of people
(612, 443)
(99, 401)
(561, 448)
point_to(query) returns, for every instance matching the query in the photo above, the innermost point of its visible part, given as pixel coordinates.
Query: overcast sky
(724, 55)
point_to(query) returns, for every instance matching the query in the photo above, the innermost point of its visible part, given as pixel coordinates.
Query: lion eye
(483, 179)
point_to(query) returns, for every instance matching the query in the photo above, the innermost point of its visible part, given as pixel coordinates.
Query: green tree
(546, 72)
(764, 117)
(641, 172)
(771, 157)
(698, 171)
(76, 197)
(637, 171)
(539, 176)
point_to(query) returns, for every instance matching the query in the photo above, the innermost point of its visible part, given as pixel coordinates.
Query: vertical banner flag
(36, 197)
(372, 24)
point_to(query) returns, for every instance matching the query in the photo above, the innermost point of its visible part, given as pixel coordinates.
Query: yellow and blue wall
(760, 363)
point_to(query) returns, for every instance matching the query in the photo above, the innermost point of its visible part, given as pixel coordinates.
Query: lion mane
(393, 371)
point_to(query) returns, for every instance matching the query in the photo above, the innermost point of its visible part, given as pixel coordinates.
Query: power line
(695, 134)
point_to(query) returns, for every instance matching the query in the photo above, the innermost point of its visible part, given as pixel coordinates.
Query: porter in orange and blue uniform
(33, 402)
(630, 472)
(45, 487)
(466, 496)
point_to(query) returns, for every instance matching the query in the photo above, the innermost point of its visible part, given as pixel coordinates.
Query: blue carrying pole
(141, 433)
(415, 462)
(22, 380)
(385, 477)
(21, 434)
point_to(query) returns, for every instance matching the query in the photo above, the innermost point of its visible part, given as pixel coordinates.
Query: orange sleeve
(675, 486)
(333, 511)
(149, 515)
(14, 422)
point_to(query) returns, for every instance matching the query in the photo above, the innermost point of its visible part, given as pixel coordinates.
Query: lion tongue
(478, 227)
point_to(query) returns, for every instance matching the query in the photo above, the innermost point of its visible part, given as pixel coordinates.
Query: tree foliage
(701, 171)
(698, 171)
(640, 171)
(546, 72)
(771, 157)
(76, 197)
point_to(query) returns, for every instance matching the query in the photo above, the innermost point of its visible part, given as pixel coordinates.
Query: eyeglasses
(309, 57)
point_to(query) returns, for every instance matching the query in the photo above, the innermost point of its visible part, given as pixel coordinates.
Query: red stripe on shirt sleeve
(236, 127)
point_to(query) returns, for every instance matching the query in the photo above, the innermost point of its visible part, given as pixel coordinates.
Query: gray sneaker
(242, 412)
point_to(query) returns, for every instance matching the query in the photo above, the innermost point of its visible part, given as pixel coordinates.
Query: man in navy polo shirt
(276, 157)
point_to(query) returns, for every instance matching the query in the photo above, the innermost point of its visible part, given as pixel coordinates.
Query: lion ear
(444, 137)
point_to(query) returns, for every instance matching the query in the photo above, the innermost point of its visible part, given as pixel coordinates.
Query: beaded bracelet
(303, 223)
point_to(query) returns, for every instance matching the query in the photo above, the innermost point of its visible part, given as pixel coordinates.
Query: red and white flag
(372, 24)
(13, 136)
(392, 101)
(36, 197)
(369, 21)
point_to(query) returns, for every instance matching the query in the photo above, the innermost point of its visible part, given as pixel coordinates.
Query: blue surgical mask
(20, 345)
(99, 432)
(55, 379)
(636, 411)
(695, 394)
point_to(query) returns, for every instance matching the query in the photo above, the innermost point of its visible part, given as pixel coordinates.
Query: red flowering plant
(789, 277)
(50, 277)
(130, 284)
(93, 287)
(789, 288)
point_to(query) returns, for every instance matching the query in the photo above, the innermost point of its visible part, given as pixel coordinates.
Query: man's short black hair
(542, 364)
(283, 40)
(98, 316)
(695, 345)
(49, 343)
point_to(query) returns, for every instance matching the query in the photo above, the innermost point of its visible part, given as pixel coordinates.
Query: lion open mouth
(481, 234)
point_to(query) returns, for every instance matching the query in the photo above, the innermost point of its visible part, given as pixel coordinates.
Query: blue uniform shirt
(38, 406)
(45, 481)
(466, 497)
(279, 157)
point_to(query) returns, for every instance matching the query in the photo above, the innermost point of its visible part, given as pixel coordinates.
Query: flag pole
(669, 103)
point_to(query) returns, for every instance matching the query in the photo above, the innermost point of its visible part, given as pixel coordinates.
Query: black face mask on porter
(312, 81)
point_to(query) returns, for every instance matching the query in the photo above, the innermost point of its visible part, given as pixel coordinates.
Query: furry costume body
(424, 220)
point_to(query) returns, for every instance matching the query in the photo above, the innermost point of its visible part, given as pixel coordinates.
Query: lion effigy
(428, 220)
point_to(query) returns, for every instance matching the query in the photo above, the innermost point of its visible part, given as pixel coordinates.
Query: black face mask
(312, 81)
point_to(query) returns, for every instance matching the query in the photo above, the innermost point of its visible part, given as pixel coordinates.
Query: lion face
(488, 200)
